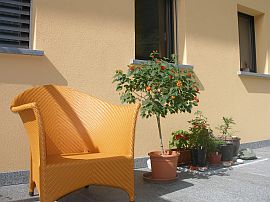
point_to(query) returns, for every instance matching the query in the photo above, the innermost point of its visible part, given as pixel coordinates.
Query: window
(247, 42)
(15, 23)
(154, 27)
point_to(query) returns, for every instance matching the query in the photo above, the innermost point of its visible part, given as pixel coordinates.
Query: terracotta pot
(163, 166)
(184, 156)
(214, 158)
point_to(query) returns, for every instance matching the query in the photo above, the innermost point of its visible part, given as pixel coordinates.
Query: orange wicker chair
(76, 140)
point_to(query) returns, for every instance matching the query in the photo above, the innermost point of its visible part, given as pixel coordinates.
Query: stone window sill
(136, 62)
(22, 51)
(252, 74)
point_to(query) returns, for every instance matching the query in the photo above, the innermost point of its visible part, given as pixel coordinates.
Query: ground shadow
(144, 191)
(33, 70)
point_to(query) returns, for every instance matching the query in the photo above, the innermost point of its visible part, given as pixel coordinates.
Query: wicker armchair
(76, 140)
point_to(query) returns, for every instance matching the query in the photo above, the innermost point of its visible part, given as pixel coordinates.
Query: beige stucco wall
(85, 41)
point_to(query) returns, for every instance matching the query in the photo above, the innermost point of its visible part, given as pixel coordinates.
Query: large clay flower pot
(163, 166)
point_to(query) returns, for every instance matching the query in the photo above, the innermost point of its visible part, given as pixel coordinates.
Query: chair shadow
(144, 191)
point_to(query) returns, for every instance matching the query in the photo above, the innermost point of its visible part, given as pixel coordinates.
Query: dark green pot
(227, 152)
(198, 157)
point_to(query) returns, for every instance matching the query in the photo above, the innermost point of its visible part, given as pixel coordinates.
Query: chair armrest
(31, 118)
(19, 108)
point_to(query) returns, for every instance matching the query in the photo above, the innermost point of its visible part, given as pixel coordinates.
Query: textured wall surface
(85, 41)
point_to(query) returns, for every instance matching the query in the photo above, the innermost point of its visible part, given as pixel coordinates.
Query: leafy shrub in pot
(200, 134)
(226, 132)
(214, 154)
(180, 142)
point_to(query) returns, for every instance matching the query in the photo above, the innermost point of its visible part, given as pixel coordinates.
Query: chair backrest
(68, 117)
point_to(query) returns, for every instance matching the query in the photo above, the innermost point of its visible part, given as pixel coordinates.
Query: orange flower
(179, 84)
(148, 88)
(189, 74)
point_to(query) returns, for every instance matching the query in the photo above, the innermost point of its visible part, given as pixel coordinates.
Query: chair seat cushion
(81, 158)
(69, 172)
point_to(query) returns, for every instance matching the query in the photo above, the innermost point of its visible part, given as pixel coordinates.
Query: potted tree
(231, 148)
(180, 142)
(162, 88)
(200, 133)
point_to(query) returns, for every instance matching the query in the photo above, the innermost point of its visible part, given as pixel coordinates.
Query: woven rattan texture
(76, 140)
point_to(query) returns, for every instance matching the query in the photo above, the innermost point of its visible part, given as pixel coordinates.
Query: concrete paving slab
(248, 182)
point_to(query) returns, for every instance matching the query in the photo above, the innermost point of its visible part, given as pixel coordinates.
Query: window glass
(154, 27)
(247, 42)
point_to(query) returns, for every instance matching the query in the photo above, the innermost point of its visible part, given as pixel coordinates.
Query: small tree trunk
(160, 135)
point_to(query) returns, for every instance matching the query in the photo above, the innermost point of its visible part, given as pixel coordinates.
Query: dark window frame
(166, 23)
(252, 41)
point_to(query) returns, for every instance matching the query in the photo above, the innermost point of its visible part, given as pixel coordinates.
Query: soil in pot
(184, 156)
(226, 152)
(214, 158)
(163, 166)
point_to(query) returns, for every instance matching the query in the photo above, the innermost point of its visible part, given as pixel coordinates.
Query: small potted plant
(162, 88)
(214, 154)
(180, 142)
(231, 148)
(200, 133)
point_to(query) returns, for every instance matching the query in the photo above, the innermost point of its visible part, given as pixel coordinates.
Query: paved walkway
(247, 182)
